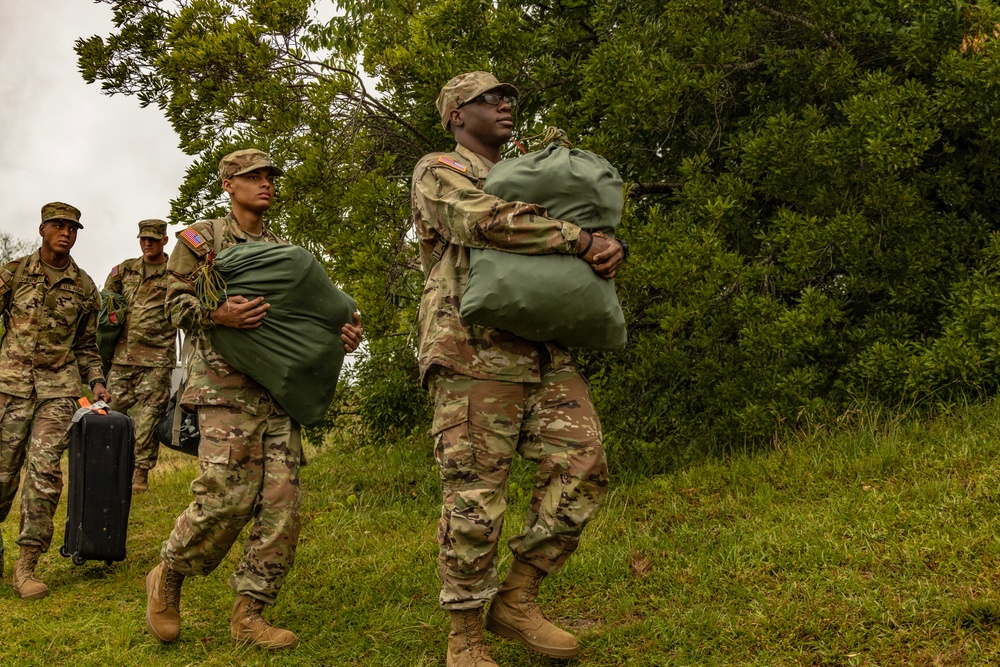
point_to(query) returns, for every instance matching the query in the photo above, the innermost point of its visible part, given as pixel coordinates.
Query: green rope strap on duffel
(550, 135)
(113, 304)
(210, 286)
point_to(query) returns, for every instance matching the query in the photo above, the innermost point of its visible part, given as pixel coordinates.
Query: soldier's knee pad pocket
(452, 442)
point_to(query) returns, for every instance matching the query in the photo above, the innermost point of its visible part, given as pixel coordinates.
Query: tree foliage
(811, 186)
(12, 247)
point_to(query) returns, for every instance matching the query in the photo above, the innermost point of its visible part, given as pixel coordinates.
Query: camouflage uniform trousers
(145, 390)
(39, 431)
(478, 426)
(249, 471)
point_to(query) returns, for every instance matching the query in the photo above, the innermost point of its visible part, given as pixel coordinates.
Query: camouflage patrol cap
(59, 211)
(152, 229)
(465, 87)
(244, 161)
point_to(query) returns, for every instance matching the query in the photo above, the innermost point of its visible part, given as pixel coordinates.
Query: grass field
(873, 545)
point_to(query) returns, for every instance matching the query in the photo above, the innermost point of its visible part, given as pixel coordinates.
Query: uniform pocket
(211, 450)
(453, 448)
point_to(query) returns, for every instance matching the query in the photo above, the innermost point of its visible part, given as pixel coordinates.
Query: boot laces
(475, 640)
(530, 592)
(26, 564)
(254, 613)
(172, 581)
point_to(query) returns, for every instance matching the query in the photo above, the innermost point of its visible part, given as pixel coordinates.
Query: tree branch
(657, 188)
(801, 20)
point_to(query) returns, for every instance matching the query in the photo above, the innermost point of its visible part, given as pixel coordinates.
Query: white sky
(63, 140)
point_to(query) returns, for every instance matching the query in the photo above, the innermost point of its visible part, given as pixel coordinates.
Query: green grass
(873, 545)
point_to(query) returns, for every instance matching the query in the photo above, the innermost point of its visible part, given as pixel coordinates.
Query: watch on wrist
(94, 383)
(624, 245)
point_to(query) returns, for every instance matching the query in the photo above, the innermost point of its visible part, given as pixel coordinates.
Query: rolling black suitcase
(101, 459)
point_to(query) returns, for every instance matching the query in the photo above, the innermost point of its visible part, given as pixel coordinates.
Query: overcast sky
(63, 140)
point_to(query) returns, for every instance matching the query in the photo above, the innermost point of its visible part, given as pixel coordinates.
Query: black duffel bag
(187, 434)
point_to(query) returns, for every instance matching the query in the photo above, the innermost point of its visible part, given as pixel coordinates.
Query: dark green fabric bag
(296, 353)
(551, 297)
(110, 321)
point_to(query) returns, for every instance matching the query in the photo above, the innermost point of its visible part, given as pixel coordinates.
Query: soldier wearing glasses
(496, 394)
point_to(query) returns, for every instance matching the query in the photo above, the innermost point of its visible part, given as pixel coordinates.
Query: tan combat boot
(163, 602)
(466, 644)
(514, 614)
(248, 626)
(140, 481)
(25, 583)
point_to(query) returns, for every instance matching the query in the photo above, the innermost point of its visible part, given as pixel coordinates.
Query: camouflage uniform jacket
(211, 380)
(451, 214)
(147, 339)
(51, 342)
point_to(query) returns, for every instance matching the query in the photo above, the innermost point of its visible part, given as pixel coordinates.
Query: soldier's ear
(41, 229)
(456, 118)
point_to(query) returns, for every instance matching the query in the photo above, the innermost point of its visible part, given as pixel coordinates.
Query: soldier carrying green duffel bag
(110, 321)
(297, 352)
(554, 297)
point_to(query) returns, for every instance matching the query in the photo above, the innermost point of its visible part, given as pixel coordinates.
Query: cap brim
(150, 236)
(277, 170)
(75, 222)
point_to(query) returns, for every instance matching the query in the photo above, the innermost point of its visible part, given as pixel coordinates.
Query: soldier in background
(250, 450)
(51, 309)
(496, 394)
(145, 354)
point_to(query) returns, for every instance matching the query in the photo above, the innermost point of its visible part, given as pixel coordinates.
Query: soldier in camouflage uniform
(250, 450)
(145, 353)
(51, 309)
(496, 394)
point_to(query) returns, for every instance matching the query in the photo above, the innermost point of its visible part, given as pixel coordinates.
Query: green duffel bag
(296, 353)
(551, 297)
(110, 322)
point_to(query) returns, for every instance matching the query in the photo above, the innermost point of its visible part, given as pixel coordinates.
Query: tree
(12, 248)
(811, 186)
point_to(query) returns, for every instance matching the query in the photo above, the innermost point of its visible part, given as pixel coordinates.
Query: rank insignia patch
(457, 166)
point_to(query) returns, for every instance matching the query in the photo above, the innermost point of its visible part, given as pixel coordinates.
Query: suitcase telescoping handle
(100, 408)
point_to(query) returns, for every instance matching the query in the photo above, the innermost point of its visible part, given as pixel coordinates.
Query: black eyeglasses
(492, 99)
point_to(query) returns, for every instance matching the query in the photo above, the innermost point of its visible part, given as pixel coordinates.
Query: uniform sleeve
(114, 281)
(88, 357)
(183, 309)
(461, 213)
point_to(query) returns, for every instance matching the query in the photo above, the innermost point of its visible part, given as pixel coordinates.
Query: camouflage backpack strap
(439, 249)
(14, 282)
(218, 231)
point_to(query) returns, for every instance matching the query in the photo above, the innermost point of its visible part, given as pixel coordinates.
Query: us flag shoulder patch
(192, 238)
(454, 164)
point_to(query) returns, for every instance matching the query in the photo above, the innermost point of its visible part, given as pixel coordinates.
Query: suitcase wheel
(63, 551)
(78, 559)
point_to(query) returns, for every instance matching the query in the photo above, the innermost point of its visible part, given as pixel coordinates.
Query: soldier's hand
(238, 312)
(351, 334)
(101, 393)
(607, 261)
